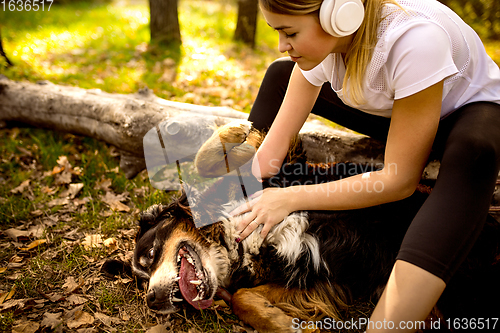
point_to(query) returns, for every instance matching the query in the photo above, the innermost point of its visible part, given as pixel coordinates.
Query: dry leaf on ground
(71, 285)
(91, 241)
(157, 329)
(33, 245)
(72, 191)
(26, 327)
(58, 202)
(21, 188)
(79, 319)
(76, 299)
(7, 296)
(114, 201)
(51, 320)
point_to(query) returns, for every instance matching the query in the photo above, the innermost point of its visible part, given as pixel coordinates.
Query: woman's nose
(284, 45)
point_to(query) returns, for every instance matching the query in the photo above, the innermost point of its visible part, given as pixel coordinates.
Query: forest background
(64, 204)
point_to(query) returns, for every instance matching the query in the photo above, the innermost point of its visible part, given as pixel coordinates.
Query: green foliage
(482, 15)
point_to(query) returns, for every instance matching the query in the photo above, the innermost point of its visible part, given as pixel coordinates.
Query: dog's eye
(151, 253)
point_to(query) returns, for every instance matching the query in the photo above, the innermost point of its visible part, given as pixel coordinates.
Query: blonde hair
(359, 54)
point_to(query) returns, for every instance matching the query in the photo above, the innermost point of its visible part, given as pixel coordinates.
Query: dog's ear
(115, 267)
(148, 219)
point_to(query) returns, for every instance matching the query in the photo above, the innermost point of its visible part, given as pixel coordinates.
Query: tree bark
(2, 53)
(164, 24)
(246, 24)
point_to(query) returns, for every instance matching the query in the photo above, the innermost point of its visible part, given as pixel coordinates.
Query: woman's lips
(294, 58)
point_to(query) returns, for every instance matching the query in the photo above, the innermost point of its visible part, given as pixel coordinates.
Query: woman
(411, 73)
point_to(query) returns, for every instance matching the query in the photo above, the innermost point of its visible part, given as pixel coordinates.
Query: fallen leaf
(26, 327)
(104, 185)
(71, 285)
(107, 320)
(2, 269)
(15, 303)
(111, 244)
(78, 202)
(63, 161)
(15, 234)
(157, 329)
(57, 169)
(36, 231)
(79, 319)
(51, 320)
(91, 241)
(21, 188)
(7, 296)
(34, 245)
(114, 201)
(86, 330)
(63, 178)
(58, 202)
(106, 213)
(115, 170)
(72, 191)
(37, 212)
(55, 297)
(48, 190)
(77, 171)
(76, 299)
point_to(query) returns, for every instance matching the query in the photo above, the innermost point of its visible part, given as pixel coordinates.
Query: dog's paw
(235, 132)
(230, 147)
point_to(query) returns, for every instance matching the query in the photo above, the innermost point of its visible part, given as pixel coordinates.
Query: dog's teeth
(177, 278)
(175, 299)
(178, 257)
(195, 282)
(190, 260)
(197, 298)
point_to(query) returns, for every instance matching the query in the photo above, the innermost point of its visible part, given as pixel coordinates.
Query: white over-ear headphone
(341, 18)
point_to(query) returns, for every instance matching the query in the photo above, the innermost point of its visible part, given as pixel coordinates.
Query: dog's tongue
(188, 290)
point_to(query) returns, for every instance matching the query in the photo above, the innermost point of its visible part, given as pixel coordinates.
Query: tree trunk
(246, 25)
(164, 23)
(2, 53)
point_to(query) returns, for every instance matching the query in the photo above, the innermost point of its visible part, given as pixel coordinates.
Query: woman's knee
(280, 69)
(476, 134)
(476, 147)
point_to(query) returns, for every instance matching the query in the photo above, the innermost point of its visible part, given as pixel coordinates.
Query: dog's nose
(151, 299)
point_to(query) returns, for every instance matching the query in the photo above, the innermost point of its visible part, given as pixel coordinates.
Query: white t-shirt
(417, 48)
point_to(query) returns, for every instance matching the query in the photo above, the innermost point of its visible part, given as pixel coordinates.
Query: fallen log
(123, 121)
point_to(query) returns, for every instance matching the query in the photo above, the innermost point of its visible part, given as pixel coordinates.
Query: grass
(105, 45)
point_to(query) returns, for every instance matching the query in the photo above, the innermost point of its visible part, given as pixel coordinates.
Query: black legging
(468, 145)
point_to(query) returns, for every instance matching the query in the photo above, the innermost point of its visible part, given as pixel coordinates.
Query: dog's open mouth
(193, 283)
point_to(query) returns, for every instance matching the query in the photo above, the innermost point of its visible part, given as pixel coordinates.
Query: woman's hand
(268, 207)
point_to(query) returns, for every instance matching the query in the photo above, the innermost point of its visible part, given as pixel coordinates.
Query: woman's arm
(297, 104)
(414, 124)
(413, 128)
